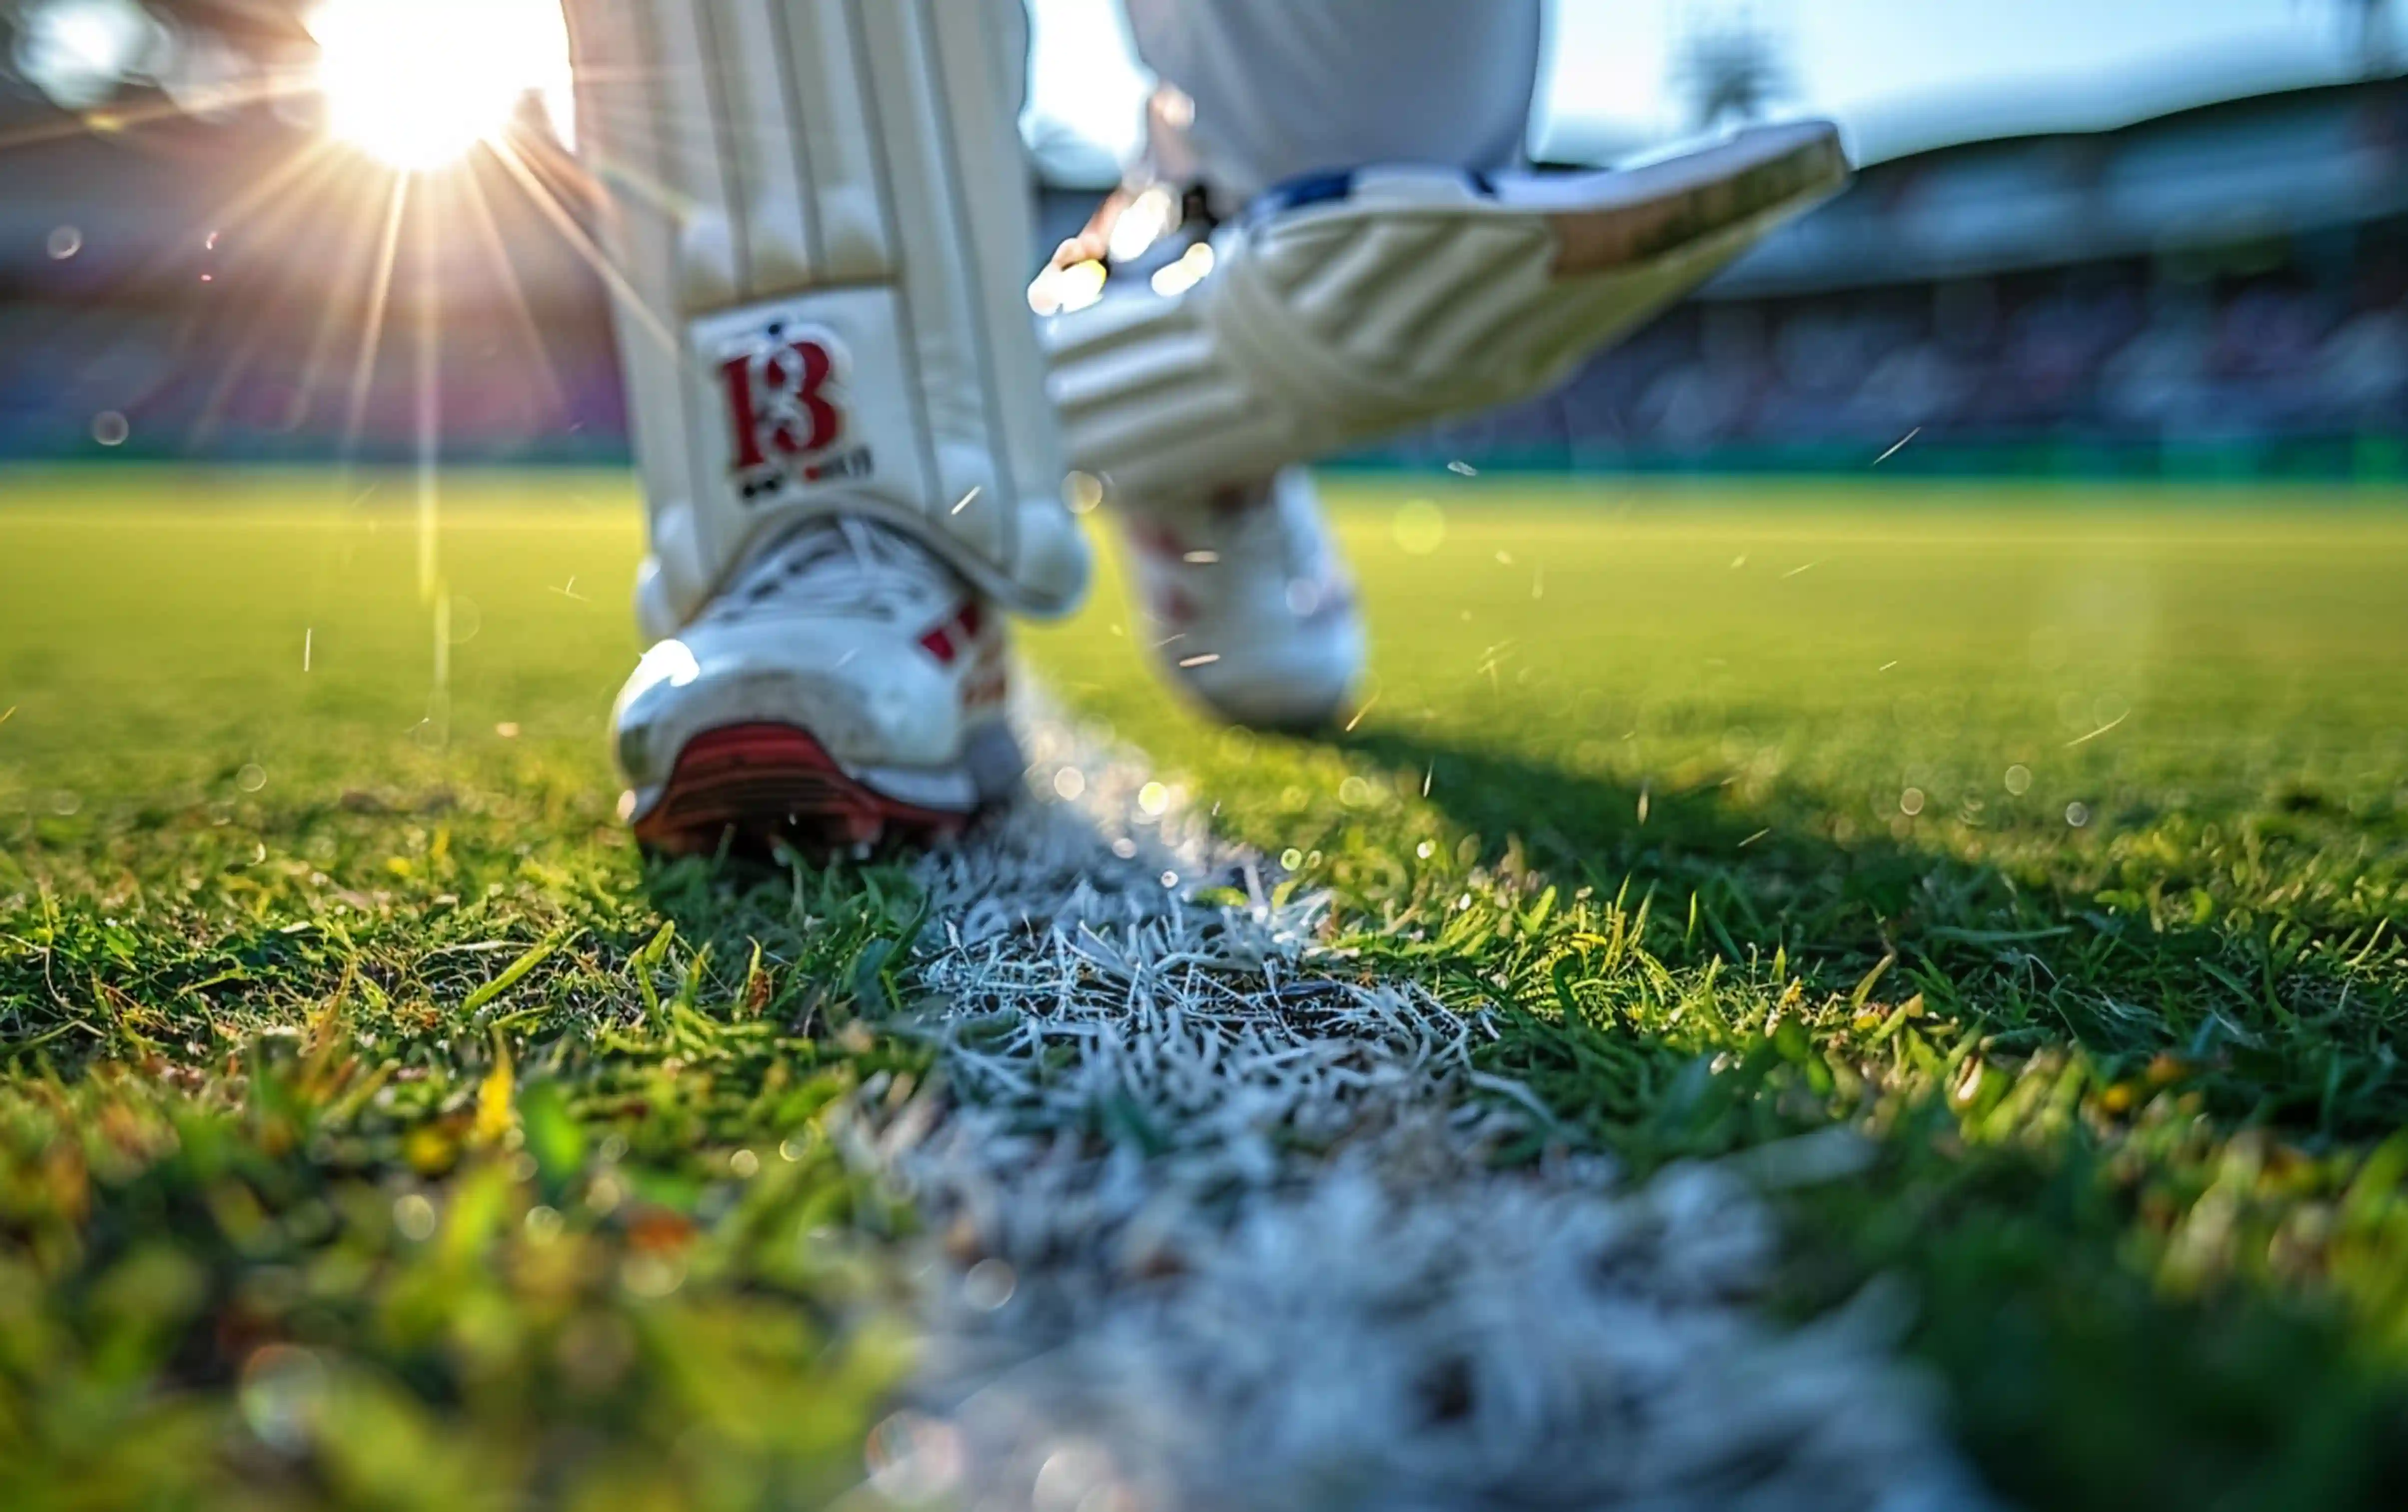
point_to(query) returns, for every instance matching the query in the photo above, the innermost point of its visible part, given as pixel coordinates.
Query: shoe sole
(753, 788)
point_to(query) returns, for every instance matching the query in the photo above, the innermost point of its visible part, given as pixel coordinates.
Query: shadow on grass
(2294, 1021)
(2082, 1372)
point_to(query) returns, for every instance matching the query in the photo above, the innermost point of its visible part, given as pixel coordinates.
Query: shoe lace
(843, 565)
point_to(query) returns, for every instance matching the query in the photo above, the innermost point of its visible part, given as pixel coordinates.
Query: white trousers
(1280, 89)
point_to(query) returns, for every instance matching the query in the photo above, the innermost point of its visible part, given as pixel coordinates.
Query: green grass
(1746, 812)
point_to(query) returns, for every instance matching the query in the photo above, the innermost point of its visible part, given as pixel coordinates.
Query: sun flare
(419, 84)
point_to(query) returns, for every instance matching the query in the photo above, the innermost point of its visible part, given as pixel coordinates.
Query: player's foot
(1345, 307)
(1247, 604)
(845, 689)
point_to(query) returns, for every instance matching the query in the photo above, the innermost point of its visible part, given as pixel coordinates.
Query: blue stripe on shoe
(1331, 188)
(1295, 193)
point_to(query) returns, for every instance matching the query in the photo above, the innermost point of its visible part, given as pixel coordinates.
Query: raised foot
(752, 788)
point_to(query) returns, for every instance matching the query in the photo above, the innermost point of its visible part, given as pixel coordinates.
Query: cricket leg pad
(818, 235)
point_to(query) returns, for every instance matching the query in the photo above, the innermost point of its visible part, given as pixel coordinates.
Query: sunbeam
(359, 245)
(429, 424)
(586, 247)
(380, 298)
(311, 174)
(112, 120)
(432, 588)
(522, 312)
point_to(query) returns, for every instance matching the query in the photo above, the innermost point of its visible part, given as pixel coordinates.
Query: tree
(1729, 67)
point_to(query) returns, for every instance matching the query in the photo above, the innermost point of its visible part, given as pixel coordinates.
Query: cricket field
(376, 1128)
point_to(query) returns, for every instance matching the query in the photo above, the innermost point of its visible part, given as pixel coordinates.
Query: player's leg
(1383, 266)
(1248, 602)
(1273, 90)
(820, 220)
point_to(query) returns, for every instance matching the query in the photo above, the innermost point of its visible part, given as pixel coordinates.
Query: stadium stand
(2224, 290)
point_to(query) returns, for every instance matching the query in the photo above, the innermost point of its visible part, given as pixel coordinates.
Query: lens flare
(419, 84)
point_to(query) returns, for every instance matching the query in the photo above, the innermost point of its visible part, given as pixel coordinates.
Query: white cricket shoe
(1247, 603)
(1345, 307)
(846, 687)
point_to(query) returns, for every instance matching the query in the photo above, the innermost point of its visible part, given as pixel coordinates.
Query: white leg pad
(1382, 300)
(822, 228)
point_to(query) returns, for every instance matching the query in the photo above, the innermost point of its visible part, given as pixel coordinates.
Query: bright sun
(417, 84)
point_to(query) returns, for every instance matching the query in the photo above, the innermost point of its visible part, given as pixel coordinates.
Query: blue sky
(1898, 73)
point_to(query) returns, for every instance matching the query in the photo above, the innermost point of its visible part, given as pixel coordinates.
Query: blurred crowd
(2116, 353)
(2112, 356)
(2228, 280)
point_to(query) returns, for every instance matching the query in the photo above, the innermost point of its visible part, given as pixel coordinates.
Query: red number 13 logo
(778, 399)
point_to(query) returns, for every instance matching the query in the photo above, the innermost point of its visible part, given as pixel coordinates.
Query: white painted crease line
(1219, 1231)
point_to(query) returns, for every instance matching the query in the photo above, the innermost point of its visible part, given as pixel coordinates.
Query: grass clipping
(1219, 1228)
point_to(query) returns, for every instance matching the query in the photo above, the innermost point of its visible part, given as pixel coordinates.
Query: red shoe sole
(753, 787)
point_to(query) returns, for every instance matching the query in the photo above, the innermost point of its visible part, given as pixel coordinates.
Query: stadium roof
(2281, 164)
